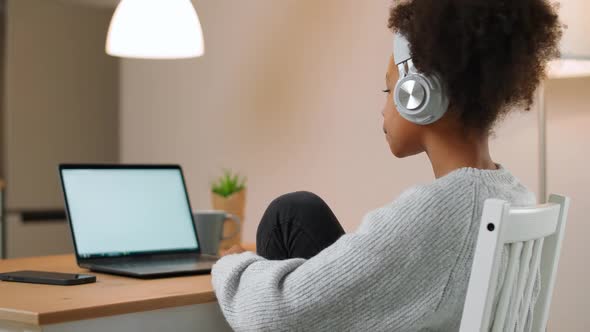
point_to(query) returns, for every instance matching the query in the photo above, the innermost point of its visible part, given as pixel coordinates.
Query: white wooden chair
(534, 236)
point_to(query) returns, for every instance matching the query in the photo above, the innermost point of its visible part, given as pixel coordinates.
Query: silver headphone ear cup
(420, 99)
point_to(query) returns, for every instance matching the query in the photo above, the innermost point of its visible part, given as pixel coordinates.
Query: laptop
(132, 220)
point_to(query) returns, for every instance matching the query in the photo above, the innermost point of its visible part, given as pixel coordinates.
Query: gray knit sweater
(406, 267)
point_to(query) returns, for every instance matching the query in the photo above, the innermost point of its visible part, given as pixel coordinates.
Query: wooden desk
(111, 304)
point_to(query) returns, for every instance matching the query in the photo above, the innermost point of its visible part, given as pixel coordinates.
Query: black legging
(298, 224)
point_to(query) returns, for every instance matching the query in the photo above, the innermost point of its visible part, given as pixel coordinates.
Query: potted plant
(228, 193)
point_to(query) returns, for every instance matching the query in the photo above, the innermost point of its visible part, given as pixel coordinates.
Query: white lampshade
(575, 44)
(155, 29)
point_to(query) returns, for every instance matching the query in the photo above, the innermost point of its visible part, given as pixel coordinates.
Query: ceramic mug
(209, 224)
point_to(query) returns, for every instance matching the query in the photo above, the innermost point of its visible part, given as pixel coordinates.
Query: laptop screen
(128, 210)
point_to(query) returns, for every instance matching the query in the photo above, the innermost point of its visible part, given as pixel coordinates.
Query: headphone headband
(419, 98)
(401, 49)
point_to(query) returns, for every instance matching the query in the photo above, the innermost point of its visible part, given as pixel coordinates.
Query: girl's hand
(235, 249)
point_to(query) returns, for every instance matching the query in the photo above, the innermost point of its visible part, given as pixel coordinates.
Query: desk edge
(19, 316)
(124, 308)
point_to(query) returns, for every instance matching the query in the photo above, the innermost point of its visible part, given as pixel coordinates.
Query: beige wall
(289, 93)
(568, 159)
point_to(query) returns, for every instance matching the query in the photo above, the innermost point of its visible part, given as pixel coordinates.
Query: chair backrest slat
(523, 278)
(528, 292)
(506, 295)
(530, 238)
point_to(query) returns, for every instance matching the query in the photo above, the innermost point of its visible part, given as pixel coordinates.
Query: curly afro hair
(491, 55)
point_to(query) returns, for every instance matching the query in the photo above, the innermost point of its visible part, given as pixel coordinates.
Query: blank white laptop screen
(124, 211)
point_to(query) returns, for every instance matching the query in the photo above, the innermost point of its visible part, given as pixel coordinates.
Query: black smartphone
(49, 278)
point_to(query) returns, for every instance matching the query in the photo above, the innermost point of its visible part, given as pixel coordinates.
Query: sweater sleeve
(392, 271)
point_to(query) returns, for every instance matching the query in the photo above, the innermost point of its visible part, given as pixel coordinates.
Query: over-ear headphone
(419, 98)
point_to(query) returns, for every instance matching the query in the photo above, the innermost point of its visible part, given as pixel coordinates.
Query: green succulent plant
(228, 184)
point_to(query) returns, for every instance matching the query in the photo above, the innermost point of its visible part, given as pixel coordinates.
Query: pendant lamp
(155, 29)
